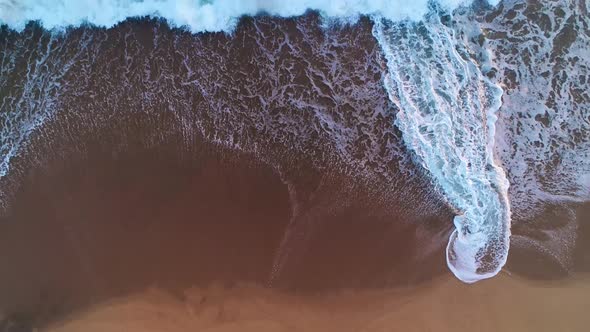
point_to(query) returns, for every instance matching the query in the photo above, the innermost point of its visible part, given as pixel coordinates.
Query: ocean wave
(447, 116)
(446, 106)
(447, 97)
(200, 15)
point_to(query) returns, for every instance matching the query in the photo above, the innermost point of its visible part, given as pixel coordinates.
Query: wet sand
(91, 229)
(505, 303)
(146, 241)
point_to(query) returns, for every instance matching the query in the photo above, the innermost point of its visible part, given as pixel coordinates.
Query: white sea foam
(447, 119)
(199, 15)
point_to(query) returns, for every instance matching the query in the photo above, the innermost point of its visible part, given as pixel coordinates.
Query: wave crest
(200, 15)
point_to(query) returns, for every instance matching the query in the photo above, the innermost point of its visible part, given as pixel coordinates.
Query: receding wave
(447, 117)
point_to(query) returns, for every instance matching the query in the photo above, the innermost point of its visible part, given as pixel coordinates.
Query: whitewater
(447, 106)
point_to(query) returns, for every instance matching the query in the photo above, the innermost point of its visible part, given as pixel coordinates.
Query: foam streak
(447, 118)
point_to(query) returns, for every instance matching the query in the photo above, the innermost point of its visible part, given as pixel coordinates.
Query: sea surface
(301, 146)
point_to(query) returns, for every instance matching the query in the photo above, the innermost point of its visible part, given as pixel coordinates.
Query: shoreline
(103, 226)
(445, 304)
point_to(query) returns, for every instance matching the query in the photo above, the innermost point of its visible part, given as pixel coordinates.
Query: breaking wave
(199, 15)
(447, 117)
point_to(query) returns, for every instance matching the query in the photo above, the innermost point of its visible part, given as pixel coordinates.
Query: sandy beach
(506, 303)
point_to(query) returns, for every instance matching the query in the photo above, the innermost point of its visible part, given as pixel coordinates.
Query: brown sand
(503, 304)
(131, 243)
